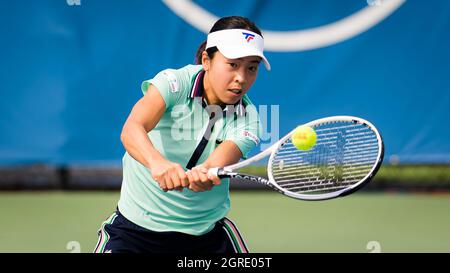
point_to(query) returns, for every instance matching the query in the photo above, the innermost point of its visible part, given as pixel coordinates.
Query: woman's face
(227, 80)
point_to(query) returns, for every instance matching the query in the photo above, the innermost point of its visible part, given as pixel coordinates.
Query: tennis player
(189, 120)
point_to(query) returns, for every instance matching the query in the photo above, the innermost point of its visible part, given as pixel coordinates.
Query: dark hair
(230, 22)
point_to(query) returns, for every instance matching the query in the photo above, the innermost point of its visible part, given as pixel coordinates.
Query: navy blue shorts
(119, 235)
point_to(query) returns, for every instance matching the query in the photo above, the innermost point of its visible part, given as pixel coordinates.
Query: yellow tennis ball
(304, 138)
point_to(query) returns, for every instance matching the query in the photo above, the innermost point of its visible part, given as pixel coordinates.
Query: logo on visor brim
(248, 36)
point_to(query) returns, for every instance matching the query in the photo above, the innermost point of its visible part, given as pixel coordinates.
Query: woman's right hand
(169, 175)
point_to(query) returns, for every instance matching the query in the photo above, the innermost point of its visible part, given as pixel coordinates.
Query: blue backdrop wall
(70, 72)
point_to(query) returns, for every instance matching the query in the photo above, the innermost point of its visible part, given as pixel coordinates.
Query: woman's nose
(239, 77)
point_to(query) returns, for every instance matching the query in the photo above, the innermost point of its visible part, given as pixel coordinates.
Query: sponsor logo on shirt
(173, 82)
(251, 136)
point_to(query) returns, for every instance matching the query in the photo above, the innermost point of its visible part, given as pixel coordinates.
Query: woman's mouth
(235, 91)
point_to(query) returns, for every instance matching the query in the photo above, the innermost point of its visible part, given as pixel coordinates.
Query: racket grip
(218, 172)
(213, 172)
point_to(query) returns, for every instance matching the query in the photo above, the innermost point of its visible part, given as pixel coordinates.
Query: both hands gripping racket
(347, 155)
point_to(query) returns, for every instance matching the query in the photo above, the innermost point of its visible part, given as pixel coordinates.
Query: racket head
(347, 155)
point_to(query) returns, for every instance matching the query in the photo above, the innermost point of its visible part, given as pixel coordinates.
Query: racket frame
(229, 171)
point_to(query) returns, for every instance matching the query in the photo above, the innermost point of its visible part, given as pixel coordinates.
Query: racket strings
(344, 154)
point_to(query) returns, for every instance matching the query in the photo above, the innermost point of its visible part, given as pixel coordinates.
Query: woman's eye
(253, 68)
(233, 65)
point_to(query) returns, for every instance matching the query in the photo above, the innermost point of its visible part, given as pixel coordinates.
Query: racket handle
(220, 172)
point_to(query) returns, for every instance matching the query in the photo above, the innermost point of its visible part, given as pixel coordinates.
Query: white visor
(238, 43)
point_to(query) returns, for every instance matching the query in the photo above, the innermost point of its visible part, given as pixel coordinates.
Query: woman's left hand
(200, 181)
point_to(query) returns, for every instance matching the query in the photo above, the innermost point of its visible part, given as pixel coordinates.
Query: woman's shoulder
(191, 69)
(172, 80)
(182, 77)
(185, 73)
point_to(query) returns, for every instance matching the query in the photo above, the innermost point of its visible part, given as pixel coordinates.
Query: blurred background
(71, 70)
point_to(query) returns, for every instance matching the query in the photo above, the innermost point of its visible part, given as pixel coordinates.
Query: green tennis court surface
(48, 221)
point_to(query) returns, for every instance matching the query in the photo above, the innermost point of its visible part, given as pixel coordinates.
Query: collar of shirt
(197, 91)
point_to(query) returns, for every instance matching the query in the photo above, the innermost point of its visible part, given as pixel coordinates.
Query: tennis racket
(347, 155)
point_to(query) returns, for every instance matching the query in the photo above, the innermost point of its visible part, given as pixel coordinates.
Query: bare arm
(225, 154)
(144, 116)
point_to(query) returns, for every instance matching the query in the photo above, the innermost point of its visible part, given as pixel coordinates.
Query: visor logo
(248, 36)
